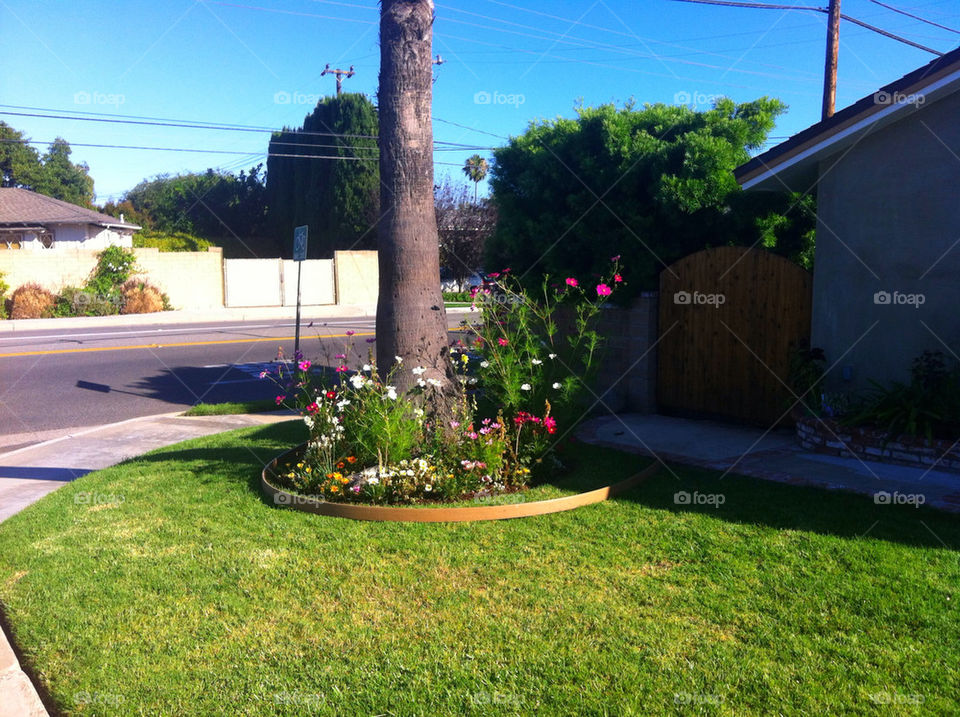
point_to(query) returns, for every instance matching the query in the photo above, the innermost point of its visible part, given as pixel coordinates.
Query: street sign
(300, 243)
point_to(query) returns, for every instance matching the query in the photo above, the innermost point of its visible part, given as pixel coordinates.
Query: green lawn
(167, 586)
(231, 407)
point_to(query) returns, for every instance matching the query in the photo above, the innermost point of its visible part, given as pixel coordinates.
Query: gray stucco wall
(889, 221)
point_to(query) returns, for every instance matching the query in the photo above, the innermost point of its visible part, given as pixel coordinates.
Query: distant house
(33, 221)
(886, 169)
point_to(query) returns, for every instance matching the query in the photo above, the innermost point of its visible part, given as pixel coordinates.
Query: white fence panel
(316, 283)
(252, 282)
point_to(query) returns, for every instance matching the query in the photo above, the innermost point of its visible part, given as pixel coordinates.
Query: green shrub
(114, 266)
(170, 241)
(76, 301)
(4, 288)
(457, 296)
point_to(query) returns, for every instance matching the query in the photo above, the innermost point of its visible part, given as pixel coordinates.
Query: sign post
(299, 256)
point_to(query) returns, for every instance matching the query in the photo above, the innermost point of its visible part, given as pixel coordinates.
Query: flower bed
(482, 422)
(827, 436)
(439, 514)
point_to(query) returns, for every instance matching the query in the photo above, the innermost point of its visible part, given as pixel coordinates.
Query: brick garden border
(827, 436)
(355, 511)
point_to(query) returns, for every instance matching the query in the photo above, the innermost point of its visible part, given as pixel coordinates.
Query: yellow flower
(334, 488)
(464, 358)
(308, 469)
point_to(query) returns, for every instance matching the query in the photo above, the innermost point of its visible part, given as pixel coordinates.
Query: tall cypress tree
(324, 174)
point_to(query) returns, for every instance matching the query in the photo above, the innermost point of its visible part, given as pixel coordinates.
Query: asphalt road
(51, 380)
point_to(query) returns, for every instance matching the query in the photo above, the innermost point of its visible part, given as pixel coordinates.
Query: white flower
(368, 383)
(372, 481)
(391, 393)
(536, 362)
(357, 380)
(472, 381)
(367, 367)
(434, 382)
(342, 404)
(418, 370)
(427, 488)
(418, 412)
(557, 385)
(553, 356)
(309, 421)
(484, 364)
(421, 382)
(525, 387)
(399, 359)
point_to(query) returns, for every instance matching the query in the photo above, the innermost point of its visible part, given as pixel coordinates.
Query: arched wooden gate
(729, 317)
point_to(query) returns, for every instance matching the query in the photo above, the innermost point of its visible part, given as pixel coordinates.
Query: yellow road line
(165, 346)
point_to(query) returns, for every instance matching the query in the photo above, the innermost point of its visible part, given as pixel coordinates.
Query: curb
(18, 696)
(354, 511)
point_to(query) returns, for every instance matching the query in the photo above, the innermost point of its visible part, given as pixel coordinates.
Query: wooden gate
(729, 317)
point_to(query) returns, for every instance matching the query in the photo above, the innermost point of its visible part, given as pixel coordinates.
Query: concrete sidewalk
(29, 473)
(775, 456)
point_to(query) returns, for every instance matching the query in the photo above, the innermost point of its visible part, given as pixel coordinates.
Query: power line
(915, 17)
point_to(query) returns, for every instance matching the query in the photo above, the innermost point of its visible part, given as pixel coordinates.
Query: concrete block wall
(192, 280)
(357, 277)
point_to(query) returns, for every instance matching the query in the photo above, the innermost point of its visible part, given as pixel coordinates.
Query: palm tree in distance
(476, 169)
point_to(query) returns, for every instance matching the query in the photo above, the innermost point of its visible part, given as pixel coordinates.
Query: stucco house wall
(889, 230)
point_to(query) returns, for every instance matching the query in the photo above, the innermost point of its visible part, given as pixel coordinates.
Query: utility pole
(339, 74)
(830, 64)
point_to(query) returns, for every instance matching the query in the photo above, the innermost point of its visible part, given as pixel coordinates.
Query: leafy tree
(476, 168)
(330, 183)
(62, 179)
(19, 162)
(464, 228)
(223, 208)
(651, 184)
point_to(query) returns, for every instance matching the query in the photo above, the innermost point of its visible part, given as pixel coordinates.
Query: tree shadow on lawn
(676, 488)
(753, 501)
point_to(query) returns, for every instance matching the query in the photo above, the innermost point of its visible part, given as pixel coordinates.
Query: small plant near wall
(806, 379)
(4, 288)
(926, 407)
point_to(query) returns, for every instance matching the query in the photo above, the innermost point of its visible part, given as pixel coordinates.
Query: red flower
(312, 408)
(550, 423)
(502, 342)
(331, 394)
(279, 399)
(617, 278)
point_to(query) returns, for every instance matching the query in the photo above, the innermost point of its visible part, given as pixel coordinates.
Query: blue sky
(258, 63)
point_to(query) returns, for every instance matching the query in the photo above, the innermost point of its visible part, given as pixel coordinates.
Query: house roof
(21, 207)
(793, 164)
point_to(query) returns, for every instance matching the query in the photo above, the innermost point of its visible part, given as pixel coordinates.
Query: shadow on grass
(753, 501)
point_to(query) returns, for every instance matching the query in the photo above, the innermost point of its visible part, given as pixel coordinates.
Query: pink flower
(280, 399)
(312, 408)
(454, 424)
(340, 356)
(615, 258)
(617, 278)
(370, 341)
(351, 333)
(603, 290)
(341, 369)
(550, 423)
(494, 275)
(502, 342)
(304, 365)
(263, 374)
(572, 282)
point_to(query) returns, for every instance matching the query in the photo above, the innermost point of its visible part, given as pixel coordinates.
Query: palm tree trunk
(411, 321)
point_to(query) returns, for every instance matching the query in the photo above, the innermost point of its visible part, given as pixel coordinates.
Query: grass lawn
(231, 407)
(167, 586)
